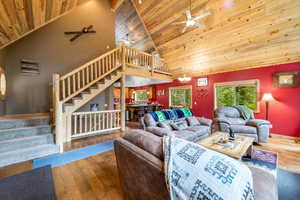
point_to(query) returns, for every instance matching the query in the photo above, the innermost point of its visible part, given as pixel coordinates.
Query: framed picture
(202, 82)
(286, 79)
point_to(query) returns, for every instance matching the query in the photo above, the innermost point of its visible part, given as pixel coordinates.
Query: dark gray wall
(2, 64)
(56, 54)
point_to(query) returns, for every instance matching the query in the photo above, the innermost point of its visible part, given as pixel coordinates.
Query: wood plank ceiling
(128, 22)
(20, 17)
(239, 34)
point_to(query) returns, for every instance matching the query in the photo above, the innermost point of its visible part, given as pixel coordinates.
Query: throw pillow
(161, 116)
(165, 124)
(179, 125)
(170, 115)
(179, 113)
(187, 112)
(193, 121)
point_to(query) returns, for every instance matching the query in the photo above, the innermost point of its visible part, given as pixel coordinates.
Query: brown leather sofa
(140, 164)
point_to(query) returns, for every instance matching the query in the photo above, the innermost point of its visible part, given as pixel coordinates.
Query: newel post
(58, 113)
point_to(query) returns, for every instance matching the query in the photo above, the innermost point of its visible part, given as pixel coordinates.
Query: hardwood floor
(96, 177)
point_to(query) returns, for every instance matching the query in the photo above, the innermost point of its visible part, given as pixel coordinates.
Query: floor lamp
(267, 97)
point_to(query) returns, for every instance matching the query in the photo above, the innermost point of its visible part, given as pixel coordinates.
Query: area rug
(262, 159)
(287, 182)
(33, 184)
(71, 156)
(288, 185)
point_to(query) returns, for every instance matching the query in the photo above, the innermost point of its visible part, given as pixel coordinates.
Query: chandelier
(184, 78)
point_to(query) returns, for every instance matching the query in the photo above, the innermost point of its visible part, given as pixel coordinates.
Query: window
(180, 96)
(2, 84)
(140, 95)
(237, 93)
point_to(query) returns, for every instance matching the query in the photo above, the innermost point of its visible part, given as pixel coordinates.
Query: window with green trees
(140, 95)
(237, 93)
(180, 96)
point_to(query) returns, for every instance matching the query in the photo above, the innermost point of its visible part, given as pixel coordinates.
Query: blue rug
(34, 184)
(71, 156)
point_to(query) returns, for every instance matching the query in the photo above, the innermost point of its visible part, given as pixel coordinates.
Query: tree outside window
(237, 93)
(180, 96)
(140, 95)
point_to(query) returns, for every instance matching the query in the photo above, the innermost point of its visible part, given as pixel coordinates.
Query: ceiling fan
(127, 41)
(191, 20)
(77, 34)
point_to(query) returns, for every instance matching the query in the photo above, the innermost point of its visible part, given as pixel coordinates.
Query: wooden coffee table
(241, 145)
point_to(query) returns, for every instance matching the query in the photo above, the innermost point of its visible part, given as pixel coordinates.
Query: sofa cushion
(243, 129)
(165, 124)
(149, 120)
(236, 121)
(179, 113)
(159, 131)
(199, 129)
(187, 112)
(189, 135)
(193, 121)
(146, 141)
(179, 125)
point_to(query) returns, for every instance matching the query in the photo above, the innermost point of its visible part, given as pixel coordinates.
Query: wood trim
(181, 87)
(236, 83)
(137, 72)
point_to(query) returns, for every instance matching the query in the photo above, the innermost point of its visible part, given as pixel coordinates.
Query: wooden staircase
(78, 87)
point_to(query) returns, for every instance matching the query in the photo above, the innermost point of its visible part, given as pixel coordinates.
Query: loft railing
(89, 123)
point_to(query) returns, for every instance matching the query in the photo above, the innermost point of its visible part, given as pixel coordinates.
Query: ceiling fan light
(190, 23)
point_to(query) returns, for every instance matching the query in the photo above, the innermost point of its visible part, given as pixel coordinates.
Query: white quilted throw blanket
(196, 173)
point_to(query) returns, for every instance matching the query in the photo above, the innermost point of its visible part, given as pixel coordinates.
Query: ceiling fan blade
(188, 15)
(72, 32)
(175, 23)
(202, 16)
(199, 25)
(75, 37)
(90, 32)
(90, 27)
(184, 29)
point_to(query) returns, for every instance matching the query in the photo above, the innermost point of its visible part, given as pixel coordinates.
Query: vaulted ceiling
(128, 22)
(20, 17)
(239, 34)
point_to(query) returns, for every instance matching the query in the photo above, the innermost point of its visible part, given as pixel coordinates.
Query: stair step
(26, 122)
(24, 132)
(25, 142)
(26, 154)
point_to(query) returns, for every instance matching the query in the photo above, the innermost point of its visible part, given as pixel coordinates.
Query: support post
(122, 101)
(152, 64)
(68, 127)
(58, 113)
(123, 58)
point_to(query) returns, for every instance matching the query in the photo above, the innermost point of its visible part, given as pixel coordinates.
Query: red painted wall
(283, 113)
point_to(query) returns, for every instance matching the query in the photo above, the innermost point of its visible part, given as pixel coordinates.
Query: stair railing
(75, 82)
(85, 76)
(89, 123)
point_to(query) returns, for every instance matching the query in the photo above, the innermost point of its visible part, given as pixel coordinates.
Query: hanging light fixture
(140, 2)
(184, 78)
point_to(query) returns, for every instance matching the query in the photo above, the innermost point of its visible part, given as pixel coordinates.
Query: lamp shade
(268, 97)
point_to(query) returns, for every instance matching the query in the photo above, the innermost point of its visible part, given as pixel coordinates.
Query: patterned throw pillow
(161, 116)
(179, 113)
(193, 121)
(170, 115)
(179, 125)
(187, 112)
